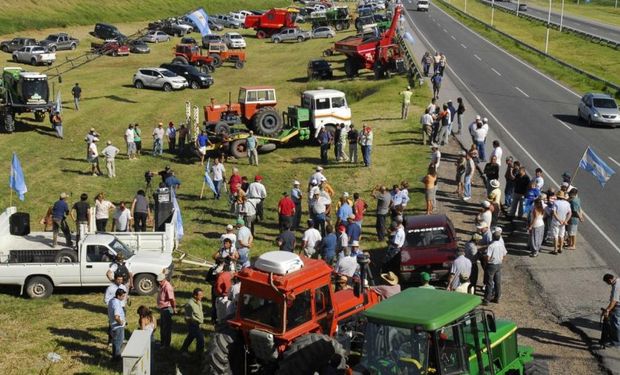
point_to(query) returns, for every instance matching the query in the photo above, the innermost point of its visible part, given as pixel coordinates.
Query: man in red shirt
(286, 211)
(166, 304)
(234, 183)
(359, 208)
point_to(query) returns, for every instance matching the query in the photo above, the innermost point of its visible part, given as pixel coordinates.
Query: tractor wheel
(217, 60)
(180, 60)
(260, 34)
(239, 149)
(9, 123)
(312, 353)
(239, 64)
(536, 368)
(222, 128)
(339, 26)
(39, 116)
(267, 122)
(267, 147)
(347, 25)
(224, 354)
(350, 68)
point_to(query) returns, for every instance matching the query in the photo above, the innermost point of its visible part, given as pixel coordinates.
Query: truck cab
(327, 107)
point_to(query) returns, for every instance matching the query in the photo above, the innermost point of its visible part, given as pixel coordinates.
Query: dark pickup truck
(58, 42)
(13, 45)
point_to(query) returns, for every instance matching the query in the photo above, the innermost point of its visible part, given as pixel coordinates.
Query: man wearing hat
(110, 152)
(494, 259)
(230, 234)
(297, 197)
(560, 219)
(425, 277)
(130, 141)
(406, 94)
(117, 322)
(460, 270)
(60, 209)
(286, 211)
(391, 286)
(158, 139)
(473, 126)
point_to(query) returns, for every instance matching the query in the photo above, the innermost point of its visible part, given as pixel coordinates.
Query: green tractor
(22, 92)
(424, 331)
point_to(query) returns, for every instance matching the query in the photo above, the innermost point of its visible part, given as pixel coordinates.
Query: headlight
(595, 114)
(203, 78)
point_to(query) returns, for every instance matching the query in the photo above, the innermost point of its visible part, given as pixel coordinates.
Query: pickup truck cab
(60, 41)
(14, 44)
(34, 55)
(291, 34)
(32, 262)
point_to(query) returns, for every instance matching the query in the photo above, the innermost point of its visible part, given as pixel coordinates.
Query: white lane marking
(523, 149)
(452, 36)
(496, 72)
(522, 92)
(464, 46)
(610, 158)
(565, 124)
(476, 56)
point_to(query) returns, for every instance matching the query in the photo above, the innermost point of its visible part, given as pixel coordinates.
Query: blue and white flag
(208, 179)
(592, 163)
(16, 179)
(177, 209)
(58, 105)
(200, 18)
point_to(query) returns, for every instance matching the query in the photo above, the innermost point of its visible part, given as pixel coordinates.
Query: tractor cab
(187, 50)
(425, 331)
(327, 108)
(26, 88)
(253, 98)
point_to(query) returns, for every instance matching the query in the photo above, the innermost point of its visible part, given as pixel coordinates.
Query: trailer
(337, 17)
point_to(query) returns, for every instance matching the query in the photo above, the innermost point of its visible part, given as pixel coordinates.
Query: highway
(533, 116)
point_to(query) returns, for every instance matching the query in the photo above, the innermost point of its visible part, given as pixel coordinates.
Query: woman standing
(137, 138)
(460, 172)
(459, 114)
(102, 212)
(536, 227)
(429, 189)
(146, 322)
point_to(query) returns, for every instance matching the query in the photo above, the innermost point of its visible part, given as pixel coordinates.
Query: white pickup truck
(34, 55)
(32, 262)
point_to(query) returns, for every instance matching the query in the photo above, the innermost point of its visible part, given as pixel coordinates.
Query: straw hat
(390, 278)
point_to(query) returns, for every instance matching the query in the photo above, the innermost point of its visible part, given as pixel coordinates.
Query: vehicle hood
(45, 42)
(150, 258)
(607, 111)
(420, 256)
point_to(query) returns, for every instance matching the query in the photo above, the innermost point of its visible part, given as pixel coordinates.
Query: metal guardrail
(566, 29)
(413, 70)
(608, 86)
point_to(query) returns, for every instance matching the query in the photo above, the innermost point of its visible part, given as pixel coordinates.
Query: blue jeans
(366, 150)
(467, 188)
(481, 154)
(614, 319)
(319, 223)
(508, 191)
(493, 282)
(157, 147)
(118, 336)
(218, 188)
(194, 333)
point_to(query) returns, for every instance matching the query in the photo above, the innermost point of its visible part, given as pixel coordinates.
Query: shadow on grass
(99, 309)
(90, 354)
(72, 333)
(83, 173)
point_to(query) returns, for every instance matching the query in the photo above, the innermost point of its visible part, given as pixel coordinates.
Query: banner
(591, 162)
(16, 179)
(200, 19)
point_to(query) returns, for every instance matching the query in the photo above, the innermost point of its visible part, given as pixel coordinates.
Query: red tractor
(289, 319)
(373, 51)
(192, 54)
(220, 53)
(270, 22)
(256, 109)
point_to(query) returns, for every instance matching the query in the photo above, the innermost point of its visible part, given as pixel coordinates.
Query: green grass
(598, 60)
(20, 15)
(598, 10)
(72, 322)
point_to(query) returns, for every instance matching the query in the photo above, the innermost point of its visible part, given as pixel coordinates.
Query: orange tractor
(220, 53)
(256, 109)
(289, 319)
(192, 54)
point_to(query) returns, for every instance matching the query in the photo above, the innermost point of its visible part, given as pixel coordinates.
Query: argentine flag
(591, 162)
(200, 18)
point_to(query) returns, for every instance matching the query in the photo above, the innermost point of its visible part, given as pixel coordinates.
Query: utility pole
(492, 11)
(548, 23)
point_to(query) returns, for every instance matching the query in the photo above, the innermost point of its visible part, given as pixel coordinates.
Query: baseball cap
(295, 182)
(161, 277)
(497, 230)
(425, 276)
(240, 221)
(477, 117)
(319, 168)
(486, 204)
(258, 178)
(229, 227)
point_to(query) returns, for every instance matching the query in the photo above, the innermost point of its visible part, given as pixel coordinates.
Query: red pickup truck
(430, 246)
(110, 47)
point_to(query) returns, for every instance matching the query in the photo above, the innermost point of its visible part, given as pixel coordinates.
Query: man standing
(182, 133)
(522, 183)
(460, 271)
(560, 218)
(219, 175)
(359, 209)
(325, 140)
(510, 182)
(341, 141)
(59, 210)
(427, 127)
(297, 197)
(140, 210)
(366, 143)
(93, 158)
(76, 91)
(310, 239)
(470, 167)
(171, 134)
(480, 136)
(252, 143)
(110, 152)
(172, 182)
(194, 317)
(137, 139)
(244, 237)
(353, 136)
(166, 304)
(444, 125)
(384, 201)
(575, 219)
(344, 211)
(406, 94)
(122, 219)
(286, 240)
(612, 311)
(436, 81)
(497, 152)
(117, 321)
(158, 139)
(80, 214)
(110, 293)
(435, 156)
(257, 191)
(493, 271)
(57, 124)
(286, 211)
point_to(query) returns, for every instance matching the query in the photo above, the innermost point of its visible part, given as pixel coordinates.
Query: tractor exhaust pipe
(364, 262)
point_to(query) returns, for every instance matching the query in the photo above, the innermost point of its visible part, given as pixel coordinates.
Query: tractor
(427, 331)
(289, 319)
(375, 51)
(220, 53)
(192, 54)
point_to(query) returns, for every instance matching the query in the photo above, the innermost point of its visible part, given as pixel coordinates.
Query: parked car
(158, 78)
(291, 34)
(60, 41)
(16, 43)
(195, 78)
(169, 27)
(324, 32)
(106, 32)
(422, 5)
(522, 7)
(598, 109)
(319, 69)
(155, 36)
(34, 55)
(234, 40)
(211, 38)
(239, 17)
(188, 40)
(214, 25)
(138, 46)
(111, 48)
(226, 21)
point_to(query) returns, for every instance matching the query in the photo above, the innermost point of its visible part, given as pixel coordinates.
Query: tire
(347, 25)
(267, 122)
(590, 121)
(260, 34)
(115, 53)
(339, 26)
(5, 49)
(222, 128)
(276, 40)
(66, 256)
(267, 147)
(53, 49)
(9, 123)
(39, 287)
(180, 60)
(300, 39)
(194, 85)
(224, 355)
(138, 84)
(145, 284)
(33, 61)
(167, 87)
(536, 367)
(239, 64)
(73, 47)
(312, 353)
(350, 68)
(217, 60)
(39, 116)
(14, 58)
(238, 148)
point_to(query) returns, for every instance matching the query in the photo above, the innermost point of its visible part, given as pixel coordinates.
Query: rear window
(605, 103)
(260, 310)
(427, 237)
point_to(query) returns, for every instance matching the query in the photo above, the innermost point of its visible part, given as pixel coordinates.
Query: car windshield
(120, 248)
(264, 311)
(233, 36)
(424, 237)
(605, 103)
(167, 73)
(395, 350)
(52, 37)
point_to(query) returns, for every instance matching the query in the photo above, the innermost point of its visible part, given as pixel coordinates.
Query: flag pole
(203, 180)
(577, 169)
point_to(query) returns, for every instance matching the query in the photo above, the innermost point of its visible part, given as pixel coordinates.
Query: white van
(423, 5)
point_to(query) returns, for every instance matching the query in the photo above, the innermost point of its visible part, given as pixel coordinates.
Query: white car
(155, 36)
(34, 55)
(158, 78)
(234, 40)
(422, 5)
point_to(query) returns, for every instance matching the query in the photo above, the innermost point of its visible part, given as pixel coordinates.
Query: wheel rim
(269, 122)
(167, 87)
(146, 285)
(194, 85)
(39, 289)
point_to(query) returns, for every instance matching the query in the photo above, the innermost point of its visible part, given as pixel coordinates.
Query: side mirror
(491, 322)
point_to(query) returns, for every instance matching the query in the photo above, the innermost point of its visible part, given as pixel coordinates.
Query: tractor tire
(39, 116)
(312, 353)
(222, 128)
(239, 64)
(267, 122)
(536, 367)
(145, 284)
(39, 287)
(225, 353)
(217, 60)
(9, 123)
(350, 68)
(267, 147)
(339, 26)
(347, 25)
(180, 60)
(260, 34)
(66, 256)
(238, 149)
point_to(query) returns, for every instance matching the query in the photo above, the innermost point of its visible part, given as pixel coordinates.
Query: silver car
(324, 32)
(291, 34)
(158, 78)
(155, 36)
(599, 109)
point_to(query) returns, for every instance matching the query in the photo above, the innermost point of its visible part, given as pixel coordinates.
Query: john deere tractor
(22, 92)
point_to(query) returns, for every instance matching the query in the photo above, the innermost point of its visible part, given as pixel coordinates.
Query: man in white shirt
(472, 127)
(399, 237)
(93, 157)
(158, 139)
(495, 258)
(435, 156)
(497, 152)
(310, 239)
(257, 192)
(316, 176)
(427, 127)
(480, 136)
(230, 234)
(460, 270)
(122, 219)
(561, 217)
(219, 174)
(131, 143)
(347, 264)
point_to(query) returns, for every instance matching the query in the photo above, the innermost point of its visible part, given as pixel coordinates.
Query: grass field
(72, 322)
(598, 10)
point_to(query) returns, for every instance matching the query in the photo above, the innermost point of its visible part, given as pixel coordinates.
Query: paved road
(587, 25)
(534, 117)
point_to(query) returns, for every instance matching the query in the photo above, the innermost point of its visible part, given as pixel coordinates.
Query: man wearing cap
(426, 281)
(257, 194)
(117, 322)
(366, 142)
(406, 94)
(93, 158)
(575, 219)
(110, 153)
(59, 211)
(167, 305)
(297, 197)
(158, 139)
(485, 215)
(494, 259)
(310, 239)
(353, 138)
(130, 141)
(473, 126)
(391, 286)
(230, 234)
(318, 210)
(286, 240)
(560, 218)
(384, 202)
(119, 267)
(316, 177)
(460, 270)
(286, 211)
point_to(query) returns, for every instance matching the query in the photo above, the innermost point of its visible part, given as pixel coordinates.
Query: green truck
(426, 331)
(22, 92)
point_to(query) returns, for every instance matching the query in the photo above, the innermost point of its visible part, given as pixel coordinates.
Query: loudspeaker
(20, 224)
(164, 208)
